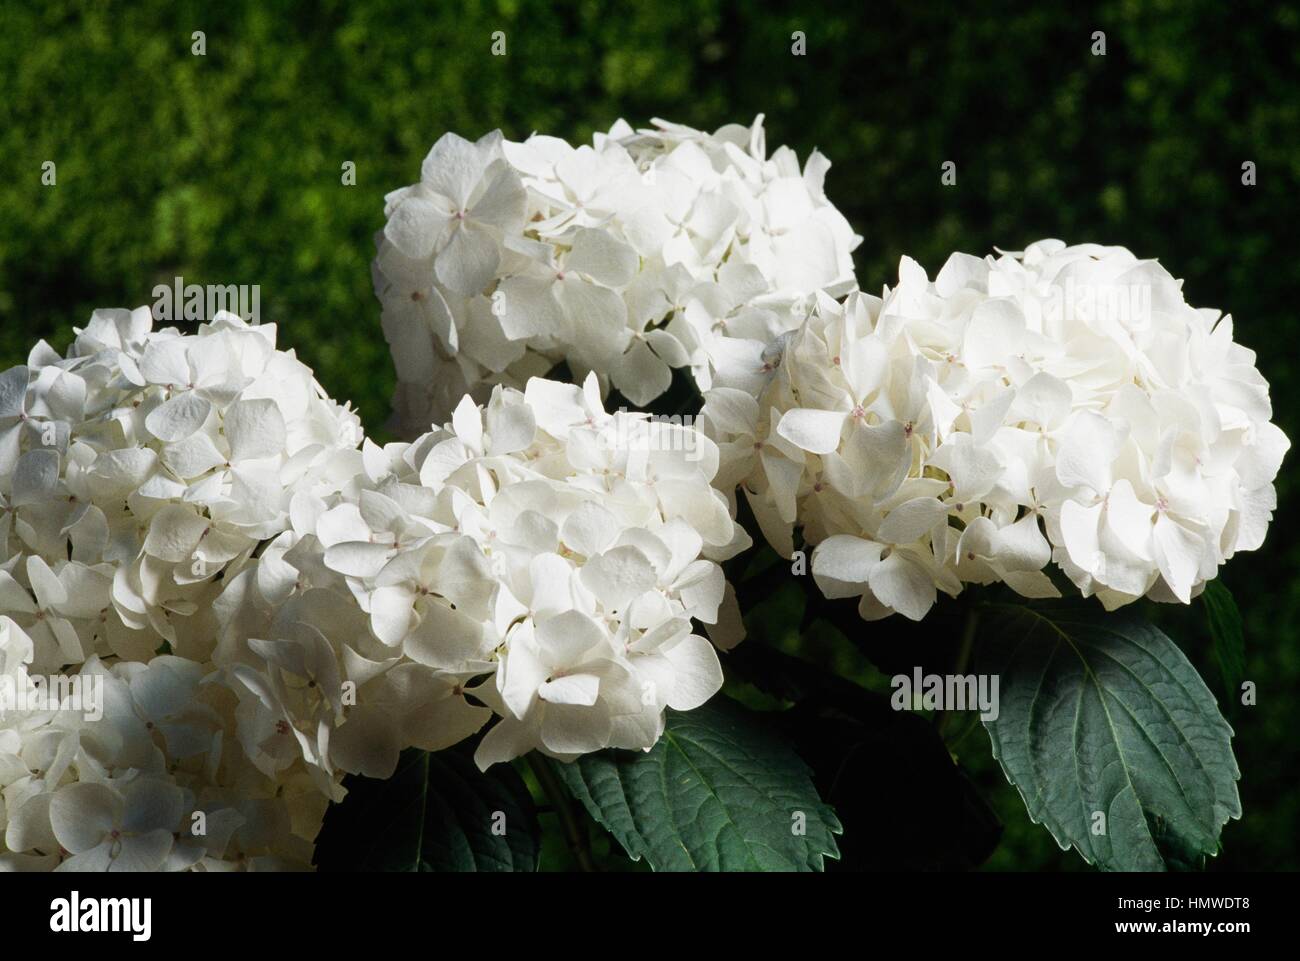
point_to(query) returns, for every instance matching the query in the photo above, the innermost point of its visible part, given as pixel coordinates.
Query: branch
(574, 833)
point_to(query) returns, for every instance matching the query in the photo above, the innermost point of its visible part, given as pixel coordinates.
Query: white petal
(454, 166)
(528, 308)
(640, 374)
(467, 422)
(166, 362)
(521, 672)
(1030, 583)
(732, 411)
(143, 852)
(192, 457)
(417, 225)
(14, 599)
(1129, 519)
(13, 391)
(606, 260)
(673, 352)
(996, 325)
(617, 576)
(446, 639)
(1088, 448)
(911, 520)
(566, 639)
(341, 524)
(1043, 399)
(589, 530)
(511, 428)
(255, 429)
(174, 533)
(465, 577)
(368, 744)
(49, 590)
(570, 729)
(29, 825)
(816, 431)
(1022, 546)
(959, 271)
(35, 478)
(504, 201)
(82, 814)
(699, 673)
(151, 805)
(178, 418)
(441, 724)
(358, 558)
(599, 320)
(506, 741)
(842, 564)
(1178, 553)
(972, 469)
(571, 689)
(1079, 531)
(903, 584)
(730, 628)
(469, 261)
(1259, 463)
(392, 612)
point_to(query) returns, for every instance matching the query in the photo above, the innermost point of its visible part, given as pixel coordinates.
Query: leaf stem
(574, 834)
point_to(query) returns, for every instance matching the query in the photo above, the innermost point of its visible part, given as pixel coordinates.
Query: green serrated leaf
(721, 791)
(1225, 628)
(1103, 713)
(437, 812)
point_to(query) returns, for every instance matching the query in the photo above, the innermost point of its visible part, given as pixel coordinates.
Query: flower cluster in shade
(140, 475)
(639, 253)
(1064, 404)
(271, 602)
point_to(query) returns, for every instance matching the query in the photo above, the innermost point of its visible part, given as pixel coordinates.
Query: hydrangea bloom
(536, 558)
(139, 475)
(155, 783)
(1063, 404)
(142, 466)
(638, 253)
(327, 606)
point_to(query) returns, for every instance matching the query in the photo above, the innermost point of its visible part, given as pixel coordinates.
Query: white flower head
(536, 558)
(1061, 404)
(642, 252)
(157, 783)
(139, 469)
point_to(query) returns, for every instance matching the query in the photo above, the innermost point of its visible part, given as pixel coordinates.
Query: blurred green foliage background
(226, 168)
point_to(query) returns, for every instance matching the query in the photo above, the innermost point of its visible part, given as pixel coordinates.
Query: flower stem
(574, 832)
(969, 631)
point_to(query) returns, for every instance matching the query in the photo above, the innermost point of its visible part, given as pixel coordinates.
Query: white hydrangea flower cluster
(142, 467)
(152, 780)
(537, 559)
(191, 525)
(139, 475)
(1061, 404)
(641, 252)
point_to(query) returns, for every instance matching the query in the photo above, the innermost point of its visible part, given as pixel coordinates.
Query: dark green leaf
(1225, 628)
(721, 791)
(438, 812)
(1102, 713)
